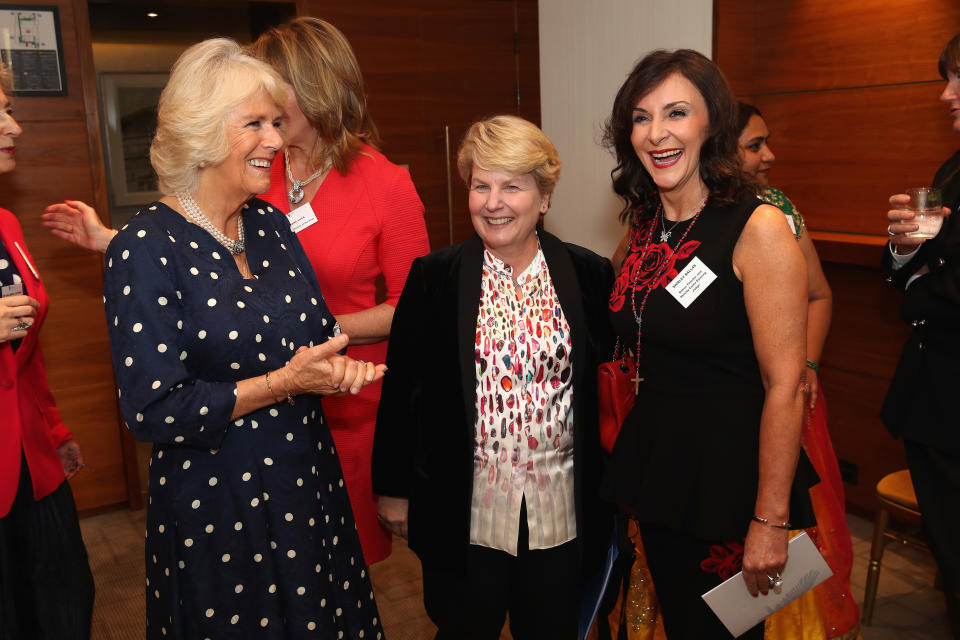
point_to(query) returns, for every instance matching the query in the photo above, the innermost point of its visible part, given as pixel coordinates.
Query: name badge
(691, 282)
(15, 289)
(301, 218)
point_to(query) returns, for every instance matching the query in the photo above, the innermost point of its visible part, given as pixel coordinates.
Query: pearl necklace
(296, 191)
(652, 283)
(192, 209)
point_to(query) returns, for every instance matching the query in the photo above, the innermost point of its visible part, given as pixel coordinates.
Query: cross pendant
(636, 383)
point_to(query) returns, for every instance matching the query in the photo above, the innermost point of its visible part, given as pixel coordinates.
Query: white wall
(587, 48)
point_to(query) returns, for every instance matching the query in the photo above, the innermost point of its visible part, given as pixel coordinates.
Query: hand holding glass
(926, 203)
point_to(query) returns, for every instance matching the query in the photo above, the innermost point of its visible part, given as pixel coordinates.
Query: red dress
(369, 222)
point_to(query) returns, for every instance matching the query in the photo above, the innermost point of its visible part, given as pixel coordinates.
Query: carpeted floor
(908, 607)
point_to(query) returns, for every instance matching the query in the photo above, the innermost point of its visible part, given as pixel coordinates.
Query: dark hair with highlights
(950, 58)
(745, 111)
(719, 161)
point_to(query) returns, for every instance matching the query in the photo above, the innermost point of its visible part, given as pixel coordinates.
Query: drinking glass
(926, 203)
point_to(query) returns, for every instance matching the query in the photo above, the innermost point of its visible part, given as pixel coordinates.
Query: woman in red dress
(357, 215)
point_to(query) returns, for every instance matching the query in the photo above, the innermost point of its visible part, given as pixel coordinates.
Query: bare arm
(771, 266)
(368, 326)
(78, 223)
(819, 312)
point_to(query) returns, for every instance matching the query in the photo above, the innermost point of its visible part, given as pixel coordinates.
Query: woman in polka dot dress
(222, 344)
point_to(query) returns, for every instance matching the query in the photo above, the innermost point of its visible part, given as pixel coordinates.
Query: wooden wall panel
(840, 154)
(804, 45)
(435, 63)
(53, 163)
(859, 359)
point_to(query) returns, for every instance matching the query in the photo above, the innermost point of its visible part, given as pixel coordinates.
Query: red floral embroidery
(725, 560)
(637, 273)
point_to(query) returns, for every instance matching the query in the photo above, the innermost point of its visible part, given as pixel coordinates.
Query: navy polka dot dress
(249, 529)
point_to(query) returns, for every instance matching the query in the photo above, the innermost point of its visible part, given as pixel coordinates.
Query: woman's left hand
(70, 458)
(764, 556)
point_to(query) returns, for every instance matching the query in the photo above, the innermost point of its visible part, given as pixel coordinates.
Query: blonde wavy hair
(209, 81)
(315, 58)
(512, 145)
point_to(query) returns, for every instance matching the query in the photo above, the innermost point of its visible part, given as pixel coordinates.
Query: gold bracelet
(286, 387)
(777, 525)
(270, 388)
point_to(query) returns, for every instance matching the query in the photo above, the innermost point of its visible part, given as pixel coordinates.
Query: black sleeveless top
(687, 455)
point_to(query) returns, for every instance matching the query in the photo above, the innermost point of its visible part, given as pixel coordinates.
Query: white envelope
(739, 611)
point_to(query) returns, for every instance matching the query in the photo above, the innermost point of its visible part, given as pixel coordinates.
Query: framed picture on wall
(129, 112)
(30, 45)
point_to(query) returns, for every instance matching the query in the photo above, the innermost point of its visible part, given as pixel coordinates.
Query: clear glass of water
(926, 204)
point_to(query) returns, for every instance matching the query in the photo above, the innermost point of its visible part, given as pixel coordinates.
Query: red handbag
(615, 388)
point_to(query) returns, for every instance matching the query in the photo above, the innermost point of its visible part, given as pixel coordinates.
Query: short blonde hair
(512, 145)
(315, 58)
(209, 81)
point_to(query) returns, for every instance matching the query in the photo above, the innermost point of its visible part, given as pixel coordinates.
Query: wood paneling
(840, 154)
(803, 45)
(858, 361)
(435, 63)
(54, 162)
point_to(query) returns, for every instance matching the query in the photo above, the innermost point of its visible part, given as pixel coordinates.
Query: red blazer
(29, 420)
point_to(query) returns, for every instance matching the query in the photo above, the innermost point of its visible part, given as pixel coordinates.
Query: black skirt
(46, 587)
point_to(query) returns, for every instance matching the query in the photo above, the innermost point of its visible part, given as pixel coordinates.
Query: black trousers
(540, 589)
(683, 568)
(46, 588)
(936, 481)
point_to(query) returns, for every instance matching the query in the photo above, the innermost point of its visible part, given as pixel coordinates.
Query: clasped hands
(321, 370)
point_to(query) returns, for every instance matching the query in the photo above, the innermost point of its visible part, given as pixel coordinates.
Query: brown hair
(950, 58)
(315, 58)
(745, 111)
(719, 161)
(512, 145)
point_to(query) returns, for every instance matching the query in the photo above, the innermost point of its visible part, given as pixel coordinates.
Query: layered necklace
(296, 191)
(637, 309)
(192, 209)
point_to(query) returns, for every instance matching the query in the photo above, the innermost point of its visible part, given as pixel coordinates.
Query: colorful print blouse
(523, 435)
(782, 202)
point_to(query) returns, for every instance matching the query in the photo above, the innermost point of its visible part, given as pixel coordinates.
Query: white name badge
(15, 289)
(691, 282)
(301, 218)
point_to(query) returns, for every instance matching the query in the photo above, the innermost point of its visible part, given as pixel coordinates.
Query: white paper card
(740, 612)
(691, 282)
(301, 218)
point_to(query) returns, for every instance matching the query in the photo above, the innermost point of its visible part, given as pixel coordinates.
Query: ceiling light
(152, 14)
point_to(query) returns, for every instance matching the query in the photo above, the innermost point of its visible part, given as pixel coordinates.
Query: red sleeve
(48, 406)
(404, 233)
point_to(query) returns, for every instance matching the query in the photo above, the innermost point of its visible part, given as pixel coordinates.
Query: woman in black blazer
(486, 449)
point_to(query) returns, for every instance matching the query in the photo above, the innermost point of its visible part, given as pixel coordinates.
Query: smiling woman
(222, 344)
(487, 431)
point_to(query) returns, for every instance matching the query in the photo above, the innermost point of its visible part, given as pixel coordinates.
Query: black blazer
(423, 443)
(920, 404)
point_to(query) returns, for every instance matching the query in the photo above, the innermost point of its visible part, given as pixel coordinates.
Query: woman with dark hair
(829, 610)
(711, 300)
(920, 403)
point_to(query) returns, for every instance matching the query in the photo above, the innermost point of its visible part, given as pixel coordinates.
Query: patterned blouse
(776, 197)
(523, 436)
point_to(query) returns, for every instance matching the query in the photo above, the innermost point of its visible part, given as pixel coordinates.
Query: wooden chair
(896, 497)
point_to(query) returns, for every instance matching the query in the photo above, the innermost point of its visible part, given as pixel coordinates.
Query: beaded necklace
(192, 209)
(638, 310)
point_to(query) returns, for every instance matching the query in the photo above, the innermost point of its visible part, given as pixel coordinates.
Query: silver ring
(889, 232)
(362, 362)
(775, 581)
(21, 326)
